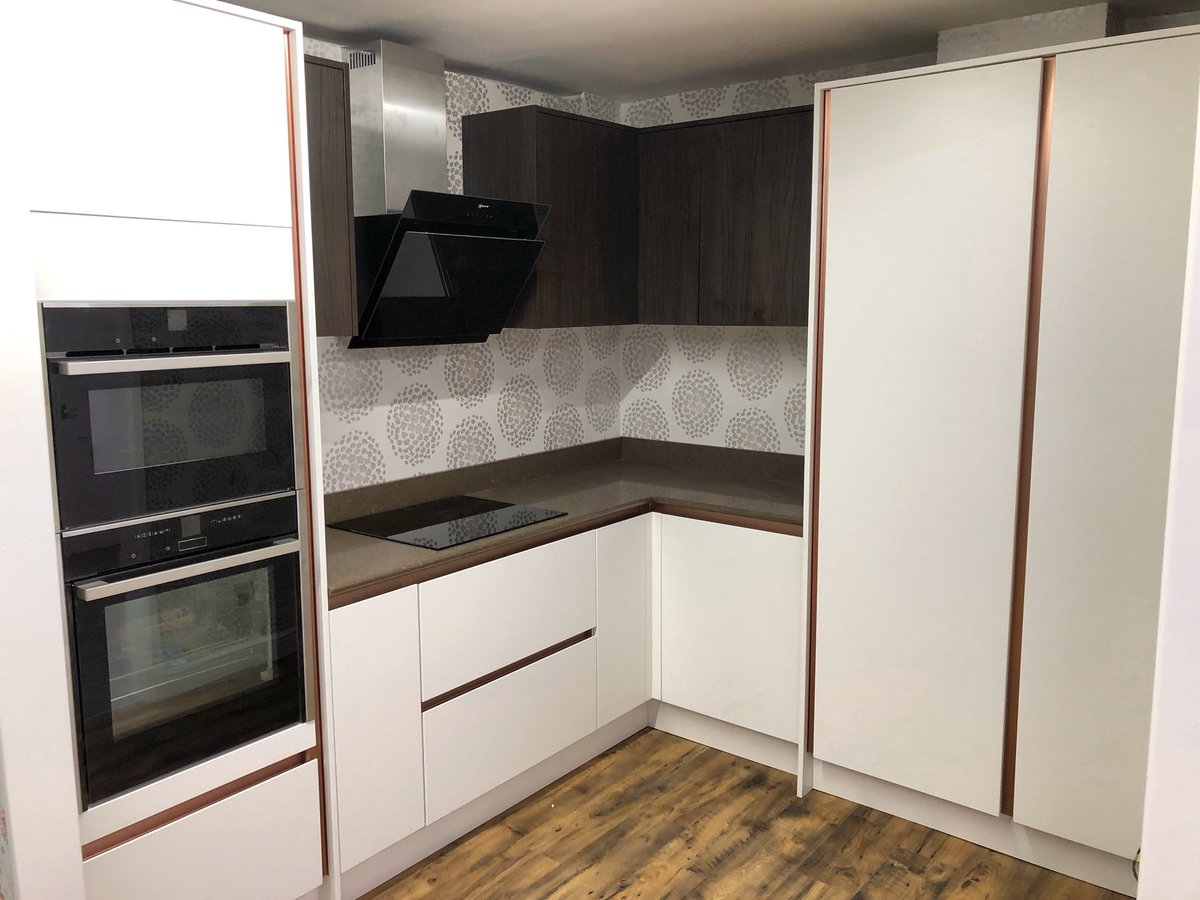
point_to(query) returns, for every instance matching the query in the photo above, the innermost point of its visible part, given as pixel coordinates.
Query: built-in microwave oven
(155, 409)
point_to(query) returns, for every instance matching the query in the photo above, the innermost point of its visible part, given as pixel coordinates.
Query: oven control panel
(160, 540)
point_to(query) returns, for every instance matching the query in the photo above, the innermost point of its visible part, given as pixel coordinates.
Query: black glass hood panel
(448, 269)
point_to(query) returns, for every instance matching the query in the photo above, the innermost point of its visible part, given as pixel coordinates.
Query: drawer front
(480, 740)
(263, 843)
(482, 619)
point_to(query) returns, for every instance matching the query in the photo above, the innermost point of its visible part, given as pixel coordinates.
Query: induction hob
(440, 524)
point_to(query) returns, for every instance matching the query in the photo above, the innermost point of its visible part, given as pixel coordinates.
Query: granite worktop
(595, 485)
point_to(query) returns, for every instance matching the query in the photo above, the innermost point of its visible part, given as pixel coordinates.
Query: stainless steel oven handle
(166, 363)
(98, 588)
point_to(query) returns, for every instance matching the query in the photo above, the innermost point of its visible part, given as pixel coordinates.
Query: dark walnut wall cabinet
(331, 194)
(587, 170)
(725, 220)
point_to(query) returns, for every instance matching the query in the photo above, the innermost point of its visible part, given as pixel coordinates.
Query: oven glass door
(139, 435)
(179, 664)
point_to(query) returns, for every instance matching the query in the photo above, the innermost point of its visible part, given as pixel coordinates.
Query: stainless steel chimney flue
(397, 124)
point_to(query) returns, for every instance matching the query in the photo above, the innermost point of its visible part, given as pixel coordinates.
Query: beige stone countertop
(591, 495)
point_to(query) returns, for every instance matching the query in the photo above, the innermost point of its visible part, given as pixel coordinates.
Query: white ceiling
(629, 49)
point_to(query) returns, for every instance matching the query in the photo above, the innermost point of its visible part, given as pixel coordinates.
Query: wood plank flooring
(661, 817)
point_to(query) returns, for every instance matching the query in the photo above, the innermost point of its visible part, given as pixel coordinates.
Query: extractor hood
(432, 267)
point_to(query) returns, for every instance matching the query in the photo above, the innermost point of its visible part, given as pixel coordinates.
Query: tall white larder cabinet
(1120, 188)
(949, 228)
(929, 187)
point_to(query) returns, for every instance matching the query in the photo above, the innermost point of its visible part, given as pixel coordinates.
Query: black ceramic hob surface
(440, 524)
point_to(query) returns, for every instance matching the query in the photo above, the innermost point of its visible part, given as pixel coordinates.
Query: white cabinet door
(159, 109)
(732, 631)
(1121, 162)
(376, 675)
(261, 844)
(484, 618)
(622, 617)
(481, 739)
(930, 192)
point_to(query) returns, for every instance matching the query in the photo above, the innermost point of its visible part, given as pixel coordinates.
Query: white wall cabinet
(930, 189)
(481, 619)
(622, 617)
(375, 671)
(163, 110)
(263, 843)
(1120, 188)
(732, 632)
(481, 739)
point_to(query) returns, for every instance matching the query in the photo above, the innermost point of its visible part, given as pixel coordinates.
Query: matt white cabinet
(159, 109)
(930, 191)
(622, 617)
(1120, 188)
(263, 843)
(732, 632)
(481, 739)
(479, 620)
(375, 671)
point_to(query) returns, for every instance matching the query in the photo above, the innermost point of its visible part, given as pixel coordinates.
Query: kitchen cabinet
(927, 264)
(725, 220)
(201, 139)
(263, 843)
(669, 222)
(586, 170)
(622, 617)
(481, 739)
(732, 632)
(482, 619)
(331, 195)
(375, 674)
(1108, 346)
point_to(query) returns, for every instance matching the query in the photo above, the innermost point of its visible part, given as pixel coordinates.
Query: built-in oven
(187, 638)
(183, 522)
(156, 409)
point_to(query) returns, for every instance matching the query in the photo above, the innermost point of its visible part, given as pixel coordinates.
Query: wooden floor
(658, 816)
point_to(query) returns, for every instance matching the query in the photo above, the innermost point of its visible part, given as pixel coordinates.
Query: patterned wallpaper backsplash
(391, 414)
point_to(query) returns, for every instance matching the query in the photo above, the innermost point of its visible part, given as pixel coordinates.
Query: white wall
(38, 764)
(1171, 825)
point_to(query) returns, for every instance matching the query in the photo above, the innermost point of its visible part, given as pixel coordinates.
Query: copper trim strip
(187, 807)
(433, 570)
(479, 682)
(815, 446)
(1037, 255)
(290, 74)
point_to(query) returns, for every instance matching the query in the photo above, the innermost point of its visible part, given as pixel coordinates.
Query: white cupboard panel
(622, 617)
(375, 670)
(1120, 186)
(483, 618)
(732, 631)
(263, 843)
(163, 110)
(930, 192)
(142, 260)
(495, 732)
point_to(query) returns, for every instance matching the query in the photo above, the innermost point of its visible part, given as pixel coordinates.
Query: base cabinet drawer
(478, 741)
(263, 843)
(481, 619)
